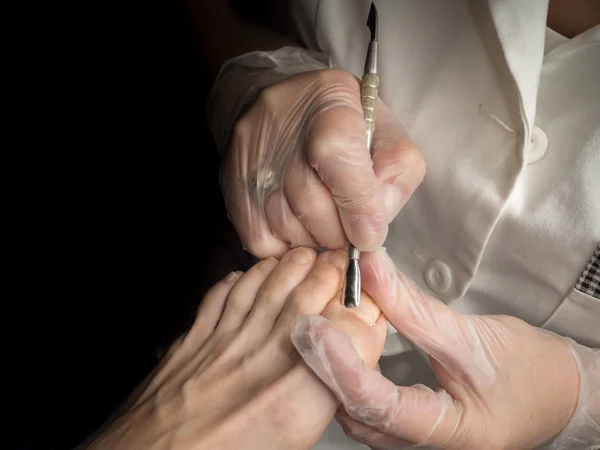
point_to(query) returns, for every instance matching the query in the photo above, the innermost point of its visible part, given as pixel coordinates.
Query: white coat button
(438, 276)
(538, 145)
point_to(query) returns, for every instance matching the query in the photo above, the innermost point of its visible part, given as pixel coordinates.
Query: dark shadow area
(140, 233)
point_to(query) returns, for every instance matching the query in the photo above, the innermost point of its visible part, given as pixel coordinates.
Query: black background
(120, 223)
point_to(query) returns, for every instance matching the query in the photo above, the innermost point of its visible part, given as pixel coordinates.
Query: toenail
(268, 264)
(362, 317)
(301, 255)
(339, 260)
(232, 276)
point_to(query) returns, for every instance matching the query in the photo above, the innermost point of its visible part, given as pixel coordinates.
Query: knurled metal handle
(369, 91)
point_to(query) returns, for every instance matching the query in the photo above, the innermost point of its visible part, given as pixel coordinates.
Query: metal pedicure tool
(369, 91)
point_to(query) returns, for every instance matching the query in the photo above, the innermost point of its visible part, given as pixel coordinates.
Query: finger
(337, 150)
(396, 162)
(364, 434)
(284, 224)
(418, 415)
(241, 298)
(447, 336)
(312, 204)
(244, 199)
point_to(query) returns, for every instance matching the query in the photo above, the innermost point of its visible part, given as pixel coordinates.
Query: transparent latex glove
(297, 171)
(503, 384)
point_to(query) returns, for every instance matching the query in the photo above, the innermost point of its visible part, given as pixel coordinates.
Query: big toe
(365, 325)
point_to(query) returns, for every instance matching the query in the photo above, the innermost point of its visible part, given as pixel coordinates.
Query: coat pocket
(577, 317)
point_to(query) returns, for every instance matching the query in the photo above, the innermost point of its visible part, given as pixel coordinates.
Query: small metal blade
(372, 22)
(352, 285)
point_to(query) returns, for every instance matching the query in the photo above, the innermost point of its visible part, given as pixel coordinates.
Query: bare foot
(236, 380)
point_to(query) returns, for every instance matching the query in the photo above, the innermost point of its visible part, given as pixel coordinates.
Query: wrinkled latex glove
(297, 171)
(503, 384)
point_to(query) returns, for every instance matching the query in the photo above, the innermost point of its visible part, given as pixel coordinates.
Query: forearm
(223, 34)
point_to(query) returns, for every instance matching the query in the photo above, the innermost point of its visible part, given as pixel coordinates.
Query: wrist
(582, 430)
(570, 389)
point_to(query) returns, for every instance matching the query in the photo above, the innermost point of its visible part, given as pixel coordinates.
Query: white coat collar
(521, 28)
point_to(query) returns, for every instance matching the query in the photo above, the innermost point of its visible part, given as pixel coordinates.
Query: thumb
(416, 414)
(450, 338)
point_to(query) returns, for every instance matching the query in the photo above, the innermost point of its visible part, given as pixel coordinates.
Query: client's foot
(235, 380)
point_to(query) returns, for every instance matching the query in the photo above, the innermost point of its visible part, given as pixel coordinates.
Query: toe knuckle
(174, 348)
(189, 390)
(234, 306)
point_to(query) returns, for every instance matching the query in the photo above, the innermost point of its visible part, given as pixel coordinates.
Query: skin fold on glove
(503, 384)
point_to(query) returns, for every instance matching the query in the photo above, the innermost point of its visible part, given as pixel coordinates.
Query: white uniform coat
(507, 115)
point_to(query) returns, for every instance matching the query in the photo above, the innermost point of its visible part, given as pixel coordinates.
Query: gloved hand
(297, 171)
(503, 384)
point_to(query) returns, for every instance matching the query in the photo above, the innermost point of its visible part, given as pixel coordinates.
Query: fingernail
(301, 255)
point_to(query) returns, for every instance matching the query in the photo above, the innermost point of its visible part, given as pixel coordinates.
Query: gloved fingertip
(323, 346)
(368, 235)
(304, 331)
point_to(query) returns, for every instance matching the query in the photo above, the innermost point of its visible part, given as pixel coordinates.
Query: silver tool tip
(352, 285)
(372, 22)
